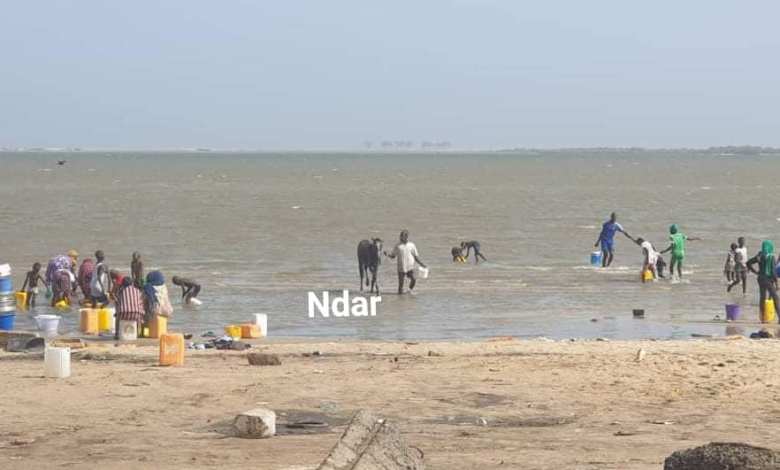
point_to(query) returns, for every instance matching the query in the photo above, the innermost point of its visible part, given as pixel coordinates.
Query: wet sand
(494, 404)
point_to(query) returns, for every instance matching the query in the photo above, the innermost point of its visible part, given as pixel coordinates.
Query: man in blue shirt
(607, 239)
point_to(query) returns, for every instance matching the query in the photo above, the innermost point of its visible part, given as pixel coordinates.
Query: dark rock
(260, 359)
(724, 456)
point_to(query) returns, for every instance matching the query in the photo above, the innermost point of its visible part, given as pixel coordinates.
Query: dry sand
(488, 405)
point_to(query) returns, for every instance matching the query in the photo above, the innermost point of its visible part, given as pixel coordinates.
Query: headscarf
(673, 229)
(768, 256)
(56, 264)
(154, 278)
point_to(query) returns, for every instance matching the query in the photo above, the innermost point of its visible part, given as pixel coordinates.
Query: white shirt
(652, 255)
(405, 254)
(741, 255)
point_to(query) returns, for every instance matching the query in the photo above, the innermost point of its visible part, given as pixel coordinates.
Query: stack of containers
(7, 299)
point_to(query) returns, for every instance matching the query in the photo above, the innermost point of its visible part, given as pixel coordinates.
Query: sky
(337, 74)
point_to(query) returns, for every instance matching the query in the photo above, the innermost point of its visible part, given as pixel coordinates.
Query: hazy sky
(333, 74)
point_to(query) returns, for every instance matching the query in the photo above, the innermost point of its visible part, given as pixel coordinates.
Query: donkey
(369, 258)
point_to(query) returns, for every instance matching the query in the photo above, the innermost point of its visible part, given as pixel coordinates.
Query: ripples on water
(260, 231)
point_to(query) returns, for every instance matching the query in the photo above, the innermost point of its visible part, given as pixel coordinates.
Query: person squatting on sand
(407, 255)
(767, 273)
(607, 239)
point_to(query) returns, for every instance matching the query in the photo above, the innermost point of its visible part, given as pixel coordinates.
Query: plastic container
(48, 324)
(423, 272)
(249, 331)
(7, 304)
(647, 275)
(172, 349)
(89, 321)
(732, 312)
(158, 327)
(106, 320)
(194, 302)
(62, 305)
(638, 313)
(5, 269)
(768, 314)
(234, 331)
(128, 330)
(21, 299)
(6, 285)
(261, 320)
(7, 321)
(56, 362)
(595, 258)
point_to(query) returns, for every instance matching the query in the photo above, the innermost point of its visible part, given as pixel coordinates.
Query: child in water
(730, 268)
(468, 246)
(189, 289)
(677, 247)
(137, 270)
(740, 266)
(31, 284)
(649, 258)
(457, 255)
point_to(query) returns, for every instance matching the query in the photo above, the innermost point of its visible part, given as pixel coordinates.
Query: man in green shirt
(677, 247)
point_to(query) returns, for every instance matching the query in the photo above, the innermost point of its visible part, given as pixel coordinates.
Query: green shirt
(678, 245)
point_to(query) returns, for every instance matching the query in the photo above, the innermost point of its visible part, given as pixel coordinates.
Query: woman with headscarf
(60, 275)
(85, 275)
(156, 299)
(766, 272)
(129, 305)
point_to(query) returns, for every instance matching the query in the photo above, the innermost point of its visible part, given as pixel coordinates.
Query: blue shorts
(607, 246)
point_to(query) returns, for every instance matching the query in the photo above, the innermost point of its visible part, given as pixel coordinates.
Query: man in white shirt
(407, 255)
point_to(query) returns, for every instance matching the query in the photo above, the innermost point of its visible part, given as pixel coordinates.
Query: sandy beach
(501, 403)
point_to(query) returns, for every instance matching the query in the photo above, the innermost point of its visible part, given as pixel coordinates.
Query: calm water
(259, 231)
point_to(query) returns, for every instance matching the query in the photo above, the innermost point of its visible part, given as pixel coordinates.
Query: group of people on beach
(136, 297)
(764, 264)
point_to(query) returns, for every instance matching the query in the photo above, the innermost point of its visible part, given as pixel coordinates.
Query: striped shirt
(130, 304)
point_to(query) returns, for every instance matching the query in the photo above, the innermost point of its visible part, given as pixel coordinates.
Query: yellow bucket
(62, 305)
(21, 300)
(768, 314)
(647, 275)
(105, 320)
(233, 331)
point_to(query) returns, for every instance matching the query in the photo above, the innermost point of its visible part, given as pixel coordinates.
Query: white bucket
(48, 324)
(423, 272)
(56, 362)
(261, 320)
(128, 330)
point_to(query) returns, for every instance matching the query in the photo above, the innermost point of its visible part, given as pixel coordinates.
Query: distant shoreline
(746, 150)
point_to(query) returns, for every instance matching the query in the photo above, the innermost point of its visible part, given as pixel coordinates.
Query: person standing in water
(31, 284)
(407, 255)
(740, 266)
(607, 239)
(468, 247)
(677, 247)
(100, 284)
(767, 274)
(137, 270)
